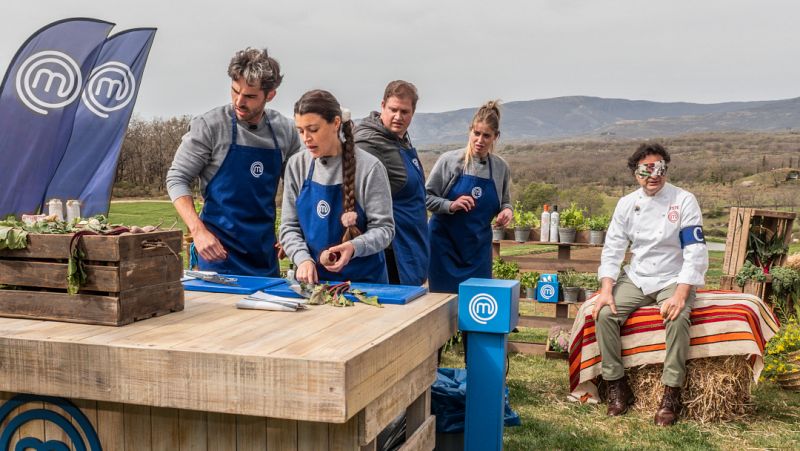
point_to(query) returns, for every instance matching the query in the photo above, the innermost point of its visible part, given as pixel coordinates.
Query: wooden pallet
(130, 277)
(741, 219)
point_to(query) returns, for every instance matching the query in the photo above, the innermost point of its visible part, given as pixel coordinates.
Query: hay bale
(793, 261)
(716, 388)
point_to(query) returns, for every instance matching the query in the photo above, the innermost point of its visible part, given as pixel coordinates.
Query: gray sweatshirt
(205, 146)
(376, 139)
(443, 176)
(372, 194)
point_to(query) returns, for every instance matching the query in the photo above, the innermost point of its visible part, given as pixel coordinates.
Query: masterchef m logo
(482, 308)
(111, 87)
(48, 80)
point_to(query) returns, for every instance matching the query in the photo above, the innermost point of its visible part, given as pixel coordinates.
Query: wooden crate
(555, 355)
(760, 289)
(130, 277)
(779, 222)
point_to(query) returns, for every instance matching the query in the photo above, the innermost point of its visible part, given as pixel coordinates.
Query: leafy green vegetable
(750, 271)
(335, 295)
(341, 301)
(364, 299)
(13, 237)
(764, 247)
(319, 295)
(76, 271)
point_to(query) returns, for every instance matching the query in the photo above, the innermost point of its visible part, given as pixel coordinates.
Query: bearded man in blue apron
(384, 134)
(465, 190)
(238, 152)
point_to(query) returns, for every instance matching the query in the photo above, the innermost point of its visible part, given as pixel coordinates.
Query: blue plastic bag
(449, 401)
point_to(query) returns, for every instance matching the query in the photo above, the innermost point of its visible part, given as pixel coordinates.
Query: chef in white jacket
(664, 227)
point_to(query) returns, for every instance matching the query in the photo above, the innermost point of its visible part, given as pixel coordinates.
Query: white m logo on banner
(40, 73)
(111, 87)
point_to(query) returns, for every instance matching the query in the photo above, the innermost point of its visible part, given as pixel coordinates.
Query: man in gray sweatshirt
(384, 134)
(238, 152)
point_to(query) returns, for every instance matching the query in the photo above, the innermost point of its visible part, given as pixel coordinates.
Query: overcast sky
(458, 53)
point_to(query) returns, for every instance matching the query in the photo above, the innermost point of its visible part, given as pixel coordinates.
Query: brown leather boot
(670, 408)
(620, 396)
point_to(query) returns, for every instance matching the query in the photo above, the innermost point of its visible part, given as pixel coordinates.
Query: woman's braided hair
(349, 177)
(325, 104)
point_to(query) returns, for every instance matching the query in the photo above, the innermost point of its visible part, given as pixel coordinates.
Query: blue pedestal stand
(488, 310)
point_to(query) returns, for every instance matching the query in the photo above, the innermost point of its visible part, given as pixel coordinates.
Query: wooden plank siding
(216, 377)
(130, 427)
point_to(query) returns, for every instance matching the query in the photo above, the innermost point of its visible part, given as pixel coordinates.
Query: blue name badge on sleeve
(692, 235)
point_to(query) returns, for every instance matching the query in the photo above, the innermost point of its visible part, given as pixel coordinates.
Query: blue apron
(319, 211)
(410, 244)
(239, 208)
(461, 243)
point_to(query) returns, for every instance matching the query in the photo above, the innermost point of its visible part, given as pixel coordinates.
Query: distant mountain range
(586, 117)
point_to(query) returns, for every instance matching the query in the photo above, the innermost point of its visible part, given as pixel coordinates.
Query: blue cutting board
(387, 294)
(246, 285)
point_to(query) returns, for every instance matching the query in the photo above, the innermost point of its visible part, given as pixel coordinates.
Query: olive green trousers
(628, 297)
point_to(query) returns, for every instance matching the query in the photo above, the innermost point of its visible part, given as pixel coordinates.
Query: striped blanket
(723, 323)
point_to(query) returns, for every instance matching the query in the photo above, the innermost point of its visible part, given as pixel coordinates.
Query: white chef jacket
(652, 225)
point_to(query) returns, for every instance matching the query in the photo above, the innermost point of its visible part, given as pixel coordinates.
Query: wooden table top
(322, 364)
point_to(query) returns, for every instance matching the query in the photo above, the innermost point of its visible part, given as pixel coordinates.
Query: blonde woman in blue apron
(336, 215)
(465, 190)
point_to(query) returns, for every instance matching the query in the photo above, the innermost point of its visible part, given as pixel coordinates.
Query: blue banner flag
(38, 99)
(89, 165)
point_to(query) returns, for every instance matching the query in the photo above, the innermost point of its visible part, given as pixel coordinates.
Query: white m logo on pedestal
(482, 308)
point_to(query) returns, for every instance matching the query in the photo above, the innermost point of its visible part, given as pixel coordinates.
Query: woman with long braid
(465, 190)
(336, 216)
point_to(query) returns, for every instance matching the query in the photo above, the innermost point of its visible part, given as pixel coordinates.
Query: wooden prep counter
(215, 377)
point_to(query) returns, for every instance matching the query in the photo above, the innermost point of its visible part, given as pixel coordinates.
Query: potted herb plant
(571, 221)
(597, 228)
(570, 285)
(498, 232)
(590, 284)
(523, 222)
(527, 282)
(502, 269)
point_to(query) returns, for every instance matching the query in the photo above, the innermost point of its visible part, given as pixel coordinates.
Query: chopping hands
(334, 259)
(307, 272)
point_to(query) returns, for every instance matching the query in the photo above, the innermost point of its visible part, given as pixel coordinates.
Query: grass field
(538, 390)
(145, 213)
